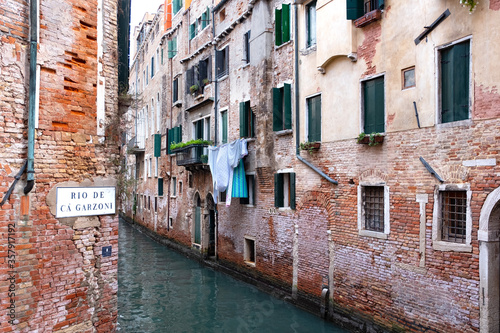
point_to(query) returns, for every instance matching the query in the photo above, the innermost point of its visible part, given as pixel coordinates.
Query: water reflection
(163, 291)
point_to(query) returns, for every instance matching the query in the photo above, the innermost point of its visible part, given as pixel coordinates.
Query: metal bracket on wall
(18, 176)
(431, 27)
(431, 170)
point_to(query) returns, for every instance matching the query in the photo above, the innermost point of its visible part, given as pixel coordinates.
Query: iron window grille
(453, 216)
(373, 202)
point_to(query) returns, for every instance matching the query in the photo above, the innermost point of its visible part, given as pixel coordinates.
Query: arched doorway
(489, 263)
(211, 226)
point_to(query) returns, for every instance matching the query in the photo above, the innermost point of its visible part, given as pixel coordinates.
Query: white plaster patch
(483, 162)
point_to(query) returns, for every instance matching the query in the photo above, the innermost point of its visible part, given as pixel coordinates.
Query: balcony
(194, 156)
(136, 145)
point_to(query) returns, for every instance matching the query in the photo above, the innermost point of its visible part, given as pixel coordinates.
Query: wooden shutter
(277, 110)
(189, 79)
(157, 147)
(197, 225)
(219, 62)
(278, 190)
(178, 134)
(160, 187)
(243, 120)
(202, 68)
(455, 82)
(251, 120)
(292, 190)
(191, 31)
(374, 115)
(285, 23)
(287, 99)
(355, 9)
(224, 126)
(277, 27)
(314, 119)
(175, 88)
(170, 139)
(226, 59)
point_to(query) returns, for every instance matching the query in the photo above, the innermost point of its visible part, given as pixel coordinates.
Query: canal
(160, 290)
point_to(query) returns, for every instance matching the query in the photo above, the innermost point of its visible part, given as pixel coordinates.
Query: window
(175, 90)
(358, 8)
(249, 252)
(246, 47)
(284, 190)
(180, 187)
(170, 222)
(222, 62)
(314, 118)
(150, 166)
(408, 78)
(311, 24)
(282, 24)
(282, 108)
(205, 19)
(172, 47)
(162, 55)
(247, 120)
(156, 204)
(373, 210)
(222, 15)
(452, 221)
(223, 116)
(156, 167)
(222, 196)
(152, 66)
(373, 105)
(174, 135)
(198, 76)
(160, 187)
(174, 186)
(201, 129)
(176, 6)
(147, 75)
(454, 61)
(250, 200)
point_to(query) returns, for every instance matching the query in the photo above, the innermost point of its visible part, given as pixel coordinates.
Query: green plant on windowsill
(372, 139)
(206, 81)
(204, 159)
(469, 3)
(175, 145)
(310, 146)
(194, 88)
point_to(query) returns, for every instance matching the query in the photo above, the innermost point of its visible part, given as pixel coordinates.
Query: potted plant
(469, 3)
(206, 81)
(194, 88)
(310, 146)
(372, 139)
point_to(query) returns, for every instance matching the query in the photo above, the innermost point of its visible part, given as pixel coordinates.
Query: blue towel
(240, 188)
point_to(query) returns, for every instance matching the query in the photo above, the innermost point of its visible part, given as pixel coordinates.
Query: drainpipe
(216, 122)
(32, 96)
(297, 103)
(171, 124)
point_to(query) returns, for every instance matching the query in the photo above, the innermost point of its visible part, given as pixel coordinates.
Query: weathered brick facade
(53, 276)
(404, 276)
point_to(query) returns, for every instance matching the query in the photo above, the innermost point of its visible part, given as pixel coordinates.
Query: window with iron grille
(373, 204)
(453, 216)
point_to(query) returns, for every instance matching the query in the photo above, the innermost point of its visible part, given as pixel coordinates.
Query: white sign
(85, 201)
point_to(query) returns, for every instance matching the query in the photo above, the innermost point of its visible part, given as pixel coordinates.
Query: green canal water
(160, 290)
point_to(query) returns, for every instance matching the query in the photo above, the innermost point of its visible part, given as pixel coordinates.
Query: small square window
(408, 76)
(170, 222)
(222, 196)
(249, 251)
(373, 210)
(250, 200)
(453, 216)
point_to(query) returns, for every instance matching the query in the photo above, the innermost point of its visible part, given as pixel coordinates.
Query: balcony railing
(136, 144)
(191, 155)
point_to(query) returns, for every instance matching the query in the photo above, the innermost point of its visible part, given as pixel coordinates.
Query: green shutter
(277, 27)
(278, 190)
(197, 225)
(285, 23)
(170, 139)
(455, 82)
(292, 190)
(224, 126)
(287, 97)
(191, 31)
(162, 55)
(355, 9)
(157, 148)
(314, 119)
(243, 121)
(374, 116)
(160, 187)
(277, 110)
(179, 133)
(251, 120)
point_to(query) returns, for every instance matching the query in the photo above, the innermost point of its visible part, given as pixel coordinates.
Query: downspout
(171, 124)
(32, 96)
(216, 122)
(297, 103)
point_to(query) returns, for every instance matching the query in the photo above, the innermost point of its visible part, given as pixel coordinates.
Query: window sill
(245, 65)
(284, 209)
(466, 122)
(173, 196)
(250, 140)
(284, 132)
(250, 263)
(374, 234)
(368, 18)
(308, 50)
(222, 78)
(248, 205)
(449, 246)
(177, 103)
(277, 47)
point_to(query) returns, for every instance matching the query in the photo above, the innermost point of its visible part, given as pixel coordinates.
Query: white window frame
(226, 110)
(286, 186)
(361, 215)
(156, 167)
(150, 162)
(174, 187)
(437, 243)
